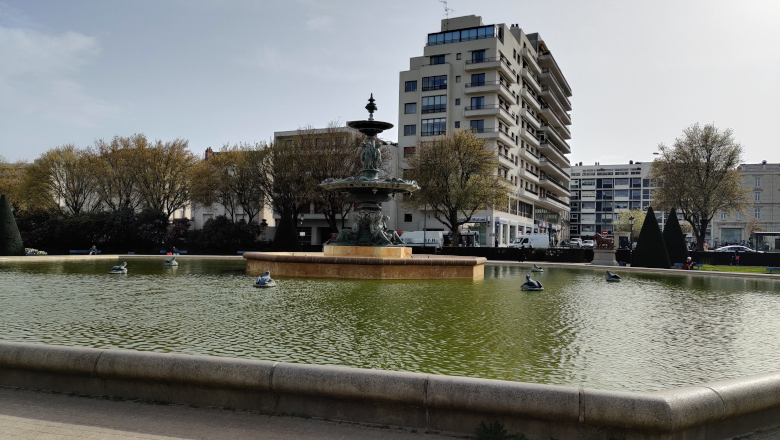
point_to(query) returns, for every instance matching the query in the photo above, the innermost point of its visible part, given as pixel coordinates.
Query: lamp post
(631, 240)
(301, 234)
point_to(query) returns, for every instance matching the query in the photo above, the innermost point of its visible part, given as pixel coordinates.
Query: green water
(649, 332)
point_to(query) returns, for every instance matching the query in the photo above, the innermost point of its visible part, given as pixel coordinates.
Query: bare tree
(698, 176)
(113, 165)
(163, 172)
(457, 176)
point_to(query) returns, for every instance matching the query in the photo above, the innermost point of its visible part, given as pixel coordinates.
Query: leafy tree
(457, 176)
(674, 239)
(650, 248)
(11, 184)
(10, 239)
(163, 172)
(62, 178)
(622, 224)
(222, 235)
(698, 175)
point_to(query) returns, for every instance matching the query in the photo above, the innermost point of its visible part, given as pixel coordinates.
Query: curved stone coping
(662, 411)
(294, 257)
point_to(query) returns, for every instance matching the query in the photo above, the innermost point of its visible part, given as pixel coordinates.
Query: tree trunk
(702, 234)
(287, 239)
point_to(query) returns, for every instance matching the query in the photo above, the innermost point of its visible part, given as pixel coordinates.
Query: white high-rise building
(506, 86)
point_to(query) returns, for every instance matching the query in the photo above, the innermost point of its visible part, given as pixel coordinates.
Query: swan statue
(171, 262)
(122, 268)
(531, 284)
(612, 277)
(265, 280)
(536, 269)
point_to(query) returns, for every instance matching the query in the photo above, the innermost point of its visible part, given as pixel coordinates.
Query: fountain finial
(371, 107)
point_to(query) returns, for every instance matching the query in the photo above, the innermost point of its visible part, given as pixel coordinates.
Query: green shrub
(10, 238)
(650, 248)
(220, 235)
(675, 239)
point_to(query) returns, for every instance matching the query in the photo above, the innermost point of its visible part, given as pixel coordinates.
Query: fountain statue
(369, 225)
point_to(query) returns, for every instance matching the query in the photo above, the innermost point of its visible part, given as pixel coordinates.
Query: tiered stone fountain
(367, 250)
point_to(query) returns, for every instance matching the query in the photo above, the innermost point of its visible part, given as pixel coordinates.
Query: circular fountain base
(320, 265)
(368, 251)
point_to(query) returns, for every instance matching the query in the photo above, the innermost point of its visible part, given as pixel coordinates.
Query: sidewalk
(39, 415)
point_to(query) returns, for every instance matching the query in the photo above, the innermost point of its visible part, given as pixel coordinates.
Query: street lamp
(631, 240)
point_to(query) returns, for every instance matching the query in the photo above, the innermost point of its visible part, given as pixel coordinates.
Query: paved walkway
(38, 415)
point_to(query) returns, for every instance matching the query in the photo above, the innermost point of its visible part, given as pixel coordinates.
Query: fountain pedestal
(368, 251)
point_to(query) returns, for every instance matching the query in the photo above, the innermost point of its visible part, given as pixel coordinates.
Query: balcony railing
(530, 172)
(544, 124)
(434, 110)
(554, 165)
(556, 199)
(546, 53)
(490, 60)
(550, 144)
(555, 98)
(546, 70)
(536, 193)
(561, 125)
(481, 107)
(527, 150)
(433, 133)
(434, 87)
(556, 183)
(483, 130)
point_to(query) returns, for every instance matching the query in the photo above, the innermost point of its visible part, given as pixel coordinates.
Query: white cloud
(322, 23)
(39, 76)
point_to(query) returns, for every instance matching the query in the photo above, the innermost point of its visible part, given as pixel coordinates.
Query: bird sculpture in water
(611, 277)
(537, 269)
(265, 280)
(122, 268)
(171, 262)
(531, 284)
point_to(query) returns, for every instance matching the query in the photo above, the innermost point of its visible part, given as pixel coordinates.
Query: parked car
(575, 243)
(736, 248)
(588, 244)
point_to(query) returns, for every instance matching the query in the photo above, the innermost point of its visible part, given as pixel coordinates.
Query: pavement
(26, 414)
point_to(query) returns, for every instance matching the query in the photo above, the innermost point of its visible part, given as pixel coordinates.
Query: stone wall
(718, 410)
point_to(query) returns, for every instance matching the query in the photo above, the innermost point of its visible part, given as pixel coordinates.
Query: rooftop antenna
(447, 11)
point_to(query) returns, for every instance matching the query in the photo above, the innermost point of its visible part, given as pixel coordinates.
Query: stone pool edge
(717, 410)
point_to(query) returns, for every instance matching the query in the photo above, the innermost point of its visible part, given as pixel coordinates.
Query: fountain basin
(346, 266)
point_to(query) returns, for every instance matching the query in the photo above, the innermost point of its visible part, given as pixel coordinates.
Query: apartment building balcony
(552, 203)
(493, 133)
(554, 134)
(552, 101)
(529, 193)
(483, 87)
(552, 169)
(548, 79)
(480, 111)
(548, 182)
(528, 175)
(552, 152)
(532, 100)
(506, 160)
(532, 79)
(501, 64)
(530, 60)
(552, 119)
(529, 156)
(528, 134)
(546, 60)
(531, 118)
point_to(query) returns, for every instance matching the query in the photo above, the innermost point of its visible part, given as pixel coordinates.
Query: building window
(478, 102)
(410, 130)
(462, 35)
(407, 218)
(477, 79)
(621, 182)
(457, 124)
(434, 104)
(457, 101)
(757, 197)
(457, 56)
(739, 216)
(410, 108)
(478, 56)
(457, 79)
(478, 126)
(758, 182)
(438, 59)
(434, 83)
(434, 127)
(757, 213)
(723, 216)
(411, 86)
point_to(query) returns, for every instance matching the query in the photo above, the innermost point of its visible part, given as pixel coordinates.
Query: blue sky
(217, 72)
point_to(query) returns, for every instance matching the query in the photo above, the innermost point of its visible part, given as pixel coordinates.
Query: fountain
(367, 250)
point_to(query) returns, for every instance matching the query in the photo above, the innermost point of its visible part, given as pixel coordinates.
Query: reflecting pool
(649, 332)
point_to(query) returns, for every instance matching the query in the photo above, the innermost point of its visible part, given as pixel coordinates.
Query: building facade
(759, 226)
(506, 86)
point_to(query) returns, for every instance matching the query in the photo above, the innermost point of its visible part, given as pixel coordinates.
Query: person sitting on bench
(688, 264)
(93, 250)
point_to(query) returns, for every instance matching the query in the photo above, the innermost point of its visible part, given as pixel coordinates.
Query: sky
(217, 72)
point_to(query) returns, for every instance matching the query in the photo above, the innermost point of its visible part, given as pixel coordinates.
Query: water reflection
(648, 332)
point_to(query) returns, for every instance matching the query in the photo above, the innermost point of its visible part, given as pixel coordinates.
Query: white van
(415, 238)
(537, 241)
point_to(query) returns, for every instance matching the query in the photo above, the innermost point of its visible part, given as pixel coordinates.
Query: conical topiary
(675, 239)
(10, 239)
(650, 248)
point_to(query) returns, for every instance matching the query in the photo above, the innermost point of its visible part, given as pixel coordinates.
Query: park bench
(696, 266)
(772, 269)
(679, 265)
(79, 251)
(180, 252)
